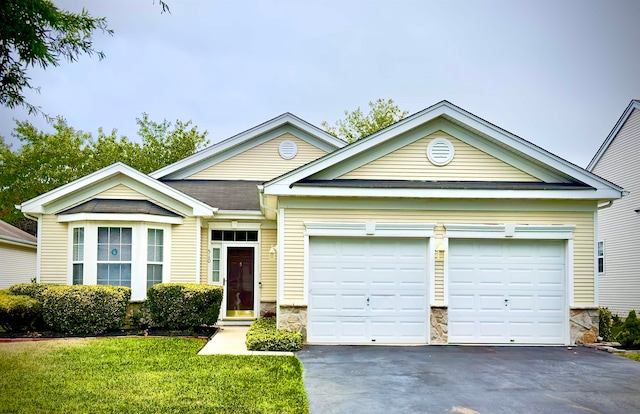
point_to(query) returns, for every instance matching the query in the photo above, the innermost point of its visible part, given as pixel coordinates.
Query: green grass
(635, 357)
(144, 375)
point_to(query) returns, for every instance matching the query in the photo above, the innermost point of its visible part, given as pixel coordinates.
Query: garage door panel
(529, 274)
(391, 273)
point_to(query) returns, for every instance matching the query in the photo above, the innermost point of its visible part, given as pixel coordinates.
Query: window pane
(216, 235)
(114, 235)
(125, 253)
(228, 236)
(600, 265)
(126, 235)
(103, 273)
(114, 253)
(78, 272)
(216, 254)
(103, 252)
(241, 236)
(600, 248)
(151, 237)
(103, 235)
(252, 236)
(154, 274)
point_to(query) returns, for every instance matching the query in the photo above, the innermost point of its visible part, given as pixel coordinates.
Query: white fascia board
(369, 229)
(283, 190)
(18, 242)
(239, 214)
(529, 149)
(454, 113)
(614, 132)
(36, 205)
(247, 135)
(67, 218)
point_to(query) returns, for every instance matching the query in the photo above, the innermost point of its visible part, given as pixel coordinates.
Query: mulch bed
(201, 333)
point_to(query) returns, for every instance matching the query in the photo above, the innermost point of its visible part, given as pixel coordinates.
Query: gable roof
(634, 104)
(14, 235)
(310, 133)
(543, 163)
(37, 205)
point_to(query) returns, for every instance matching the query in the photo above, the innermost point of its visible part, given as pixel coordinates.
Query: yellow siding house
(441, 228)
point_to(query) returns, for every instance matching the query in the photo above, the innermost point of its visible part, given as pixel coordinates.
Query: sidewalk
(230, 340)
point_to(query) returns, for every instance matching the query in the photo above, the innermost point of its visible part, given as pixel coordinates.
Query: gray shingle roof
(102, 205)
(9, 232)
(223, 194)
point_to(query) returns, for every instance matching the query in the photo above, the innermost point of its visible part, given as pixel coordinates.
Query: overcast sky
(557, 73)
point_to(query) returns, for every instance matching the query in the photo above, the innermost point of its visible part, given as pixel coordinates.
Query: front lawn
(144, 375)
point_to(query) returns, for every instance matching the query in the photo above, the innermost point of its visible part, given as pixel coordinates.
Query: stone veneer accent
(293, 318)
(439, 325)
(584, 325)
(267, 308)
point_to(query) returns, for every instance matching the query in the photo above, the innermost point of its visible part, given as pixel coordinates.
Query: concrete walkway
(230, 340)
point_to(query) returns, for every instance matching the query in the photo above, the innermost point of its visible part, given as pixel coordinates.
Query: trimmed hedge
(629, 336)
(184, 305)
(83, 309)
(263, 335)
(20, 313)
(33, 290)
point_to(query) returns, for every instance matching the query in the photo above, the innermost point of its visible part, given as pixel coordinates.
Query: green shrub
(83, 309)
(606, 321)
(629, 336)
(33, 290)
(138, 315)
(20, 313)
(263, 335)
(184, 305)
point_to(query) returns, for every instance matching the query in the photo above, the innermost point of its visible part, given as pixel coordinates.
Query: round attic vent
(288, 149)
(440, 151)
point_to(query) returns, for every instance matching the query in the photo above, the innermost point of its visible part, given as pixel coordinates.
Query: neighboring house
(441, 228)
(18, 260)
(618, 244)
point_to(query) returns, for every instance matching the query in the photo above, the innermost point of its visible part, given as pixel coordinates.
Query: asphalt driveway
(468, 380)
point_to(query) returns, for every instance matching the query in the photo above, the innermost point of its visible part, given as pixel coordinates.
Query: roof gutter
(263, 206)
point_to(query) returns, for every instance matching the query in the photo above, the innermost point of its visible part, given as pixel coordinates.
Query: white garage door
(507, 291)
(367, 290)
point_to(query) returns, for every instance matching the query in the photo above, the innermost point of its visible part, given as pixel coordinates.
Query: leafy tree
(46, 160)
(37, 33)
(356, 125)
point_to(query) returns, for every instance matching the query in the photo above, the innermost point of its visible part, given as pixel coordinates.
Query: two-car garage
(376, 290)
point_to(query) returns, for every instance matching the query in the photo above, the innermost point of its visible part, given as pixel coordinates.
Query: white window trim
(598, 257)
(138, 253)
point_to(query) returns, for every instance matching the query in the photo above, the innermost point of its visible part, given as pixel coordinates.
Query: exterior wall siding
(184, 264)
(583, 239)
(268, 278)
(18, 264)
(261, 162)
(121, 191)
(619, 225)
(411, 163)
(53, 250)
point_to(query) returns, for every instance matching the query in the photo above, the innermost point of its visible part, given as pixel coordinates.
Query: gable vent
(440, 151)
(288, 149)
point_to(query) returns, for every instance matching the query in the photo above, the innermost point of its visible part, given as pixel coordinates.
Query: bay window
(122, 254)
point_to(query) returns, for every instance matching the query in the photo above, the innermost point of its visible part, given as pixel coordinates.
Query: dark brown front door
(240, 281)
